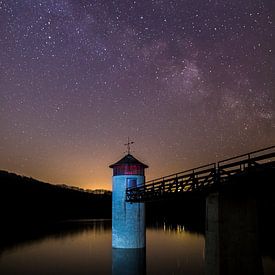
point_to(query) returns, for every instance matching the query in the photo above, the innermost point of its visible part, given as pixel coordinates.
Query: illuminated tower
(128, 219)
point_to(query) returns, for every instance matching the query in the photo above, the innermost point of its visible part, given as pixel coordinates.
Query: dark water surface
(84, 247)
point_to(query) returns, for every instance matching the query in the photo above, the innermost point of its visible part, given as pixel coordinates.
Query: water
(84, 247)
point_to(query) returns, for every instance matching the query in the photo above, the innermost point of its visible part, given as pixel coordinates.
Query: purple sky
(190, 82)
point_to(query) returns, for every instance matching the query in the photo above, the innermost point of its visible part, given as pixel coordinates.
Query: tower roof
(128, 159)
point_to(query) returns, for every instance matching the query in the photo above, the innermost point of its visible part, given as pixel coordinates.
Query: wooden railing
(202, 178)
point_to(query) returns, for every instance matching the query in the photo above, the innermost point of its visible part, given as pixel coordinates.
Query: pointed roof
(128, 159)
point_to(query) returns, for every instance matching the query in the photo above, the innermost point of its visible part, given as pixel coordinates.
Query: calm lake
(84, 247)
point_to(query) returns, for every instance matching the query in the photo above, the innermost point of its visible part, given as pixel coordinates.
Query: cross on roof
(128, 145)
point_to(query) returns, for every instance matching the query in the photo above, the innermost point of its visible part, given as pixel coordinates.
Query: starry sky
(190, 82)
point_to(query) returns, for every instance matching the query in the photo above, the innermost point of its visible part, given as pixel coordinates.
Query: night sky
(190, 82)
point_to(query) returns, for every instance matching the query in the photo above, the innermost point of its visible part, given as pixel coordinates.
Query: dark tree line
(24, 199)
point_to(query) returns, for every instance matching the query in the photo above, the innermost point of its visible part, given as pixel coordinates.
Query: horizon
(146, 180)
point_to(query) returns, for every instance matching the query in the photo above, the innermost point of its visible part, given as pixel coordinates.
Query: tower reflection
(128, 261)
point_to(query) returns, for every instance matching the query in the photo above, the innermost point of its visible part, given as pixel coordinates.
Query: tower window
(131, 183)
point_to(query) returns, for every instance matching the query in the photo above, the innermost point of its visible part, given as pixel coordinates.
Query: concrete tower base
(128, 219)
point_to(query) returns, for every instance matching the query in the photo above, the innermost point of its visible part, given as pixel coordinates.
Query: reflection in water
(173, 251)
(84, 247)
(11, 237)
(129, 261)
(68, 248)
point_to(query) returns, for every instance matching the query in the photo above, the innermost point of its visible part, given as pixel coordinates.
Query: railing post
(216, 174)
(194, 181)
(143, 193)
(249, 162)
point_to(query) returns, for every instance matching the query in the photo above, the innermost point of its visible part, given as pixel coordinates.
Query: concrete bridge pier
(231, 244)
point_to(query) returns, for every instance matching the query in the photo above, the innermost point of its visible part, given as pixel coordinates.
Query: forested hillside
(27, 199)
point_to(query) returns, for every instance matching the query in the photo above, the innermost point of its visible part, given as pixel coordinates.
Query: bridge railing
(185, 172)
(188, 180)
(203, 177)
(243, 162)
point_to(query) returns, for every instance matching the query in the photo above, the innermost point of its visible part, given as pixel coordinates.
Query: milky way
(190, 82)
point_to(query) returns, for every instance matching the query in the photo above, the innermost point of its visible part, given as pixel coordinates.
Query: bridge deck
(203, 178)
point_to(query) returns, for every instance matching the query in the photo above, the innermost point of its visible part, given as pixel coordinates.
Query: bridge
(207, 178)
(236, 196)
